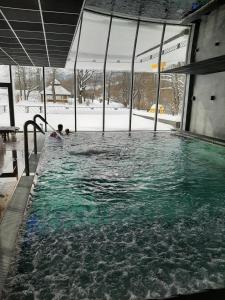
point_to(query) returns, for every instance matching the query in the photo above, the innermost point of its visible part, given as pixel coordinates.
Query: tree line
(90, 86)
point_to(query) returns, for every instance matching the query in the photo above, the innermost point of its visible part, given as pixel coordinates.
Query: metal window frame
(132, 65)
(75, 73)
(44, 97)
(104, 74)
(132, 76)
(9, 86)
(159, 77)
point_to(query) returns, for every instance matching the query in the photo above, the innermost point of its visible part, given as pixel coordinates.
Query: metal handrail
(35, 131)
(26, 150)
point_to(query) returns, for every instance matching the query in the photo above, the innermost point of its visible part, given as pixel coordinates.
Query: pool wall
(13, 217)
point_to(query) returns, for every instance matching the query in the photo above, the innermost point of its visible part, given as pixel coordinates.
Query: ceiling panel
(13, 14)
(59, 18)
(26, 4)
(26, 26)
(59, 36)
(69, 6)
(6, 32)
(30, 34)
(58, 28)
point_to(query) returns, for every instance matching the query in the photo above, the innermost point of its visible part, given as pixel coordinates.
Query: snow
(168, 117)
(89, 117)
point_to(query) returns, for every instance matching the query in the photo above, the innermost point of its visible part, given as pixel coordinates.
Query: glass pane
(172, 85)
(4, 74)
(59, 90)
(4, 107)
(146, 77)
(171, 98)
(174, 46)
(118, 77)
(27, 82)
(90, 71)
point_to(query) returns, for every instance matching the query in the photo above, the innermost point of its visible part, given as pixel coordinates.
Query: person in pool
(67, 131)
(58, 132)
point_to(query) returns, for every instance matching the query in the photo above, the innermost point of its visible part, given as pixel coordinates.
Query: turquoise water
(120, 217)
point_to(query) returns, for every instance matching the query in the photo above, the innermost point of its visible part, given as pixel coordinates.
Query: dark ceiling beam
(43, 26)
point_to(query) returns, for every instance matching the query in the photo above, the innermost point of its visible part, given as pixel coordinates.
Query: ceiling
(161, 10)
(37, 32)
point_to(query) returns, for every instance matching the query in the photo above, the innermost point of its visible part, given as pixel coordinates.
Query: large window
(118, 77)
(4, 107)
(59, 93)
(4, 99)
(146, 77)
(27, 82)
(115, 57)
(90, 64)
(172, 85)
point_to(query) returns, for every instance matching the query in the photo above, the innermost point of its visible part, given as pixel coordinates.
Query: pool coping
(14, 215)
(204, 138)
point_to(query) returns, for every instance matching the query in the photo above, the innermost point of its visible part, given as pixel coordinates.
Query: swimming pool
(120, 217)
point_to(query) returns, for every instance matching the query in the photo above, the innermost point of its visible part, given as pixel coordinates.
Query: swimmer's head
(67, 131)
(60, 127)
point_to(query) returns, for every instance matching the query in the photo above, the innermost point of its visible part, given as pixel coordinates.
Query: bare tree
(27, 81)
(109, 82)
(83, 76)
(175, 83)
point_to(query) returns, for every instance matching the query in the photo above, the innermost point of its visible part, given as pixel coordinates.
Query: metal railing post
(35, 130)
(26, 150)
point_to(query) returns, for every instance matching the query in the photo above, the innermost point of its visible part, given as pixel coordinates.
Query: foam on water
(119, 217)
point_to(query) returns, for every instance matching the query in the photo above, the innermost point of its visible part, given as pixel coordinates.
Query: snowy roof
(59, 90)
(56, 82)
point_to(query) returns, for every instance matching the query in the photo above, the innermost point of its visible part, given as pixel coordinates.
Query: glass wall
(4, 107)
(4, 74)
(146, 76)
(59, 83)
(4, 99)
(172, 85)
(28, 84)
(59, 91)
(118, 76)
(91, 55)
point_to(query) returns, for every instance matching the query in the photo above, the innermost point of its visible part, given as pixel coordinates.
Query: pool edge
(14, 216)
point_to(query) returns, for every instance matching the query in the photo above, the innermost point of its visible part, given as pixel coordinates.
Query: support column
(186, 120)
(75, 74)
(44, 97)
(132, 75)
(104, 75)
(11, 102)
(159, 77)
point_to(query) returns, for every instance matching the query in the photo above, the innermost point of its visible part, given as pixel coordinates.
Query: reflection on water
(120, 217)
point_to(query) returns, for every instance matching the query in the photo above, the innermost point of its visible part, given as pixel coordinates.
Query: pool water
(120, 217)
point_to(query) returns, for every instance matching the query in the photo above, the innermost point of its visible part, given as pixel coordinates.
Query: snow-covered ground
(89, 117)
(176, 118)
